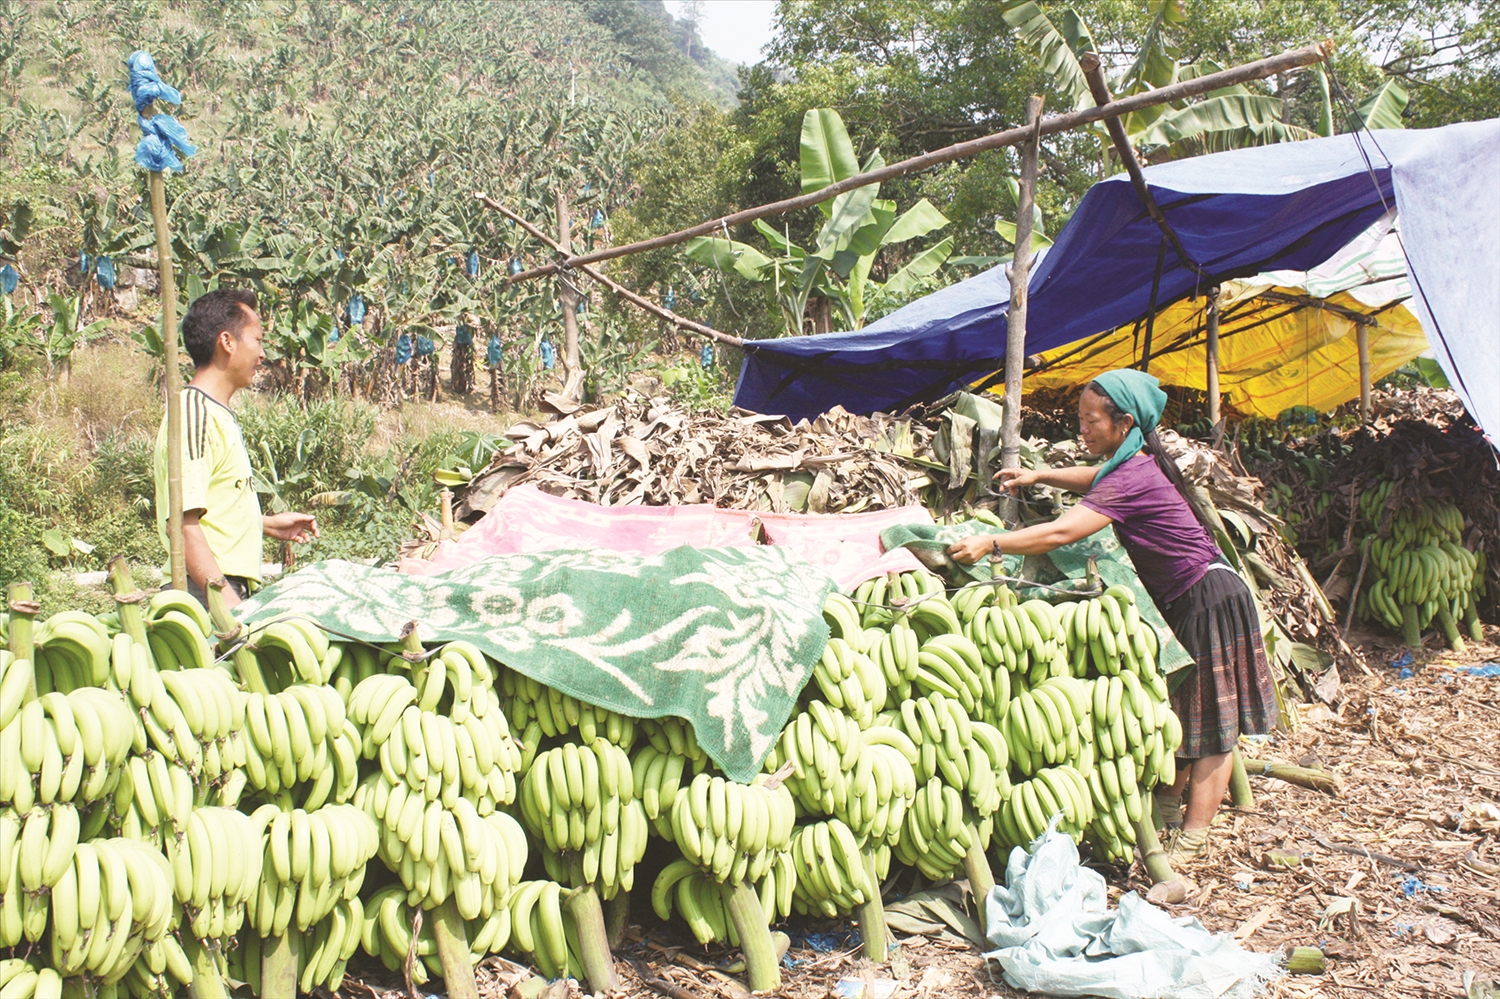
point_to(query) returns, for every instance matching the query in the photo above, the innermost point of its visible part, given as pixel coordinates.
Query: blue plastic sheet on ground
(1055, 934)
(1403, 660)
(1486, 670)
(1411, 884)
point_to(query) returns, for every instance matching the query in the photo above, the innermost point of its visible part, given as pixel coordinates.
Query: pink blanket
(844, 545)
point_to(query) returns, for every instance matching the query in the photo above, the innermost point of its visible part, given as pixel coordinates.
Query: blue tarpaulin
(1289, 206)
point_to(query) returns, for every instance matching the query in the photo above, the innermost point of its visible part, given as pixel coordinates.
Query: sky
(734, 29)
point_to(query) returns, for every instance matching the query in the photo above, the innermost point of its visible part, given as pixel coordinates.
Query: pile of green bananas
(1420, 567)
(385, 932)
(580, 801)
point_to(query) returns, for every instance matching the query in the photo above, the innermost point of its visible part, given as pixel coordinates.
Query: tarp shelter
(1238, 214)
(1286, 338)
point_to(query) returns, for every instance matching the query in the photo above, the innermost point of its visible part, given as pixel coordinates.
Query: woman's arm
(1077, 479)
(1075, 525)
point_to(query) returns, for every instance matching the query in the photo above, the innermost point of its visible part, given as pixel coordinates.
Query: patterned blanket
(724, 637)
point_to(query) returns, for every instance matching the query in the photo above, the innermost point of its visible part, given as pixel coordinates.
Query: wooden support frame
(1211, 374)
(1020, 271)
(1257, 70)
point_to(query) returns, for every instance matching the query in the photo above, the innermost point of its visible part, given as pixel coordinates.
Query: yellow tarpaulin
(1278, 348)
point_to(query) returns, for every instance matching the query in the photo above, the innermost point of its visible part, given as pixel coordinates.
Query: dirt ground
(1411, 837)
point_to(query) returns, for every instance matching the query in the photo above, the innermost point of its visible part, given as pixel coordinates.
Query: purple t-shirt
(1170, 549)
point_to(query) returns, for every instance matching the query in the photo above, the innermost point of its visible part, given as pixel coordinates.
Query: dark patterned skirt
(1229, 692)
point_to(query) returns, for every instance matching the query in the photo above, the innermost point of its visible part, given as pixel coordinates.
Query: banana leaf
(1058, 50)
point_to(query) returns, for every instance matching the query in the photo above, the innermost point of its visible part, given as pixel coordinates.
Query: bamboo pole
(614, 286)
(172, 380)
(1211, 375)
(572, 376)
(1257, 70)
(1362, 338)
(1015, 319)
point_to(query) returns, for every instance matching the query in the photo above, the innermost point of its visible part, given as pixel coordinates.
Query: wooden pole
(1015, 319)
(172, 380)
(1211, 321)
(572, 376)
(617, 288)
(1258, 70)
(1094, 73)
(1362, 338)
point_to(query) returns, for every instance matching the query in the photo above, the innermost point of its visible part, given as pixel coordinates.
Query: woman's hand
(973, 548)
(1013, 479)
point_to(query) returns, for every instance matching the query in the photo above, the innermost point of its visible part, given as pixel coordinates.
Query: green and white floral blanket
(724, 637)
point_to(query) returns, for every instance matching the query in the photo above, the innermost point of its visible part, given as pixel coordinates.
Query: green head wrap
(1136, 393)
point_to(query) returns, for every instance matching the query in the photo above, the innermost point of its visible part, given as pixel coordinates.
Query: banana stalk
(872, 913)
(593, 939)
(452, 940)
(1411, 630)
(1239, 784)
(981, 879)
(23, 611)
(743, 906)
(278, 963)
(1450, 628)
(207, 982)
(1153, 857)
(616, 919)
(122, 584)
(245, 662)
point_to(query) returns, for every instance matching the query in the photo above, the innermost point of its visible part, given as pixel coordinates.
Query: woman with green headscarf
(1140, 491)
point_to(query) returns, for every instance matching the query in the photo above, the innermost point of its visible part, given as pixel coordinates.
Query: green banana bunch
(1118, 802)
(1106, 635)
(946, 746)
(880, 601)
(72, 651)
(438, 849)
(581, 801)
(456, 680)
(700, 898)
(882, 785)
(436, 757)
(1052, 791)
(658, 781)
(326, 949)
(310, 861)
(830, 870)
(65, 748)
(298, 735)
(938, 831)
(386, 934)
(177, 642)
(1048, 725)
(1135, 719)
(850, 681)
(674, 735)
(822, 746)
(538, 711)
(114, 900)
(24, 980)
(1026, 638)
(895, 652)
(733, 831)
(844, 620)
(539, 928)
(293, 650)
(16, 679)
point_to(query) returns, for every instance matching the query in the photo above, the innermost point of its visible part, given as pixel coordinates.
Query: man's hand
(1013, 479)
(973, 548)
(298, 527)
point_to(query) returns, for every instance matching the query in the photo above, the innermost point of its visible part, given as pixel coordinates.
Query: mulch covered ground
(1412, 839)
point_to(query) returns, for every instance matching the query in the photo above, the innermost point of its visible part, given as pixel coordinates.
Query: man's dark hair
(218, 310)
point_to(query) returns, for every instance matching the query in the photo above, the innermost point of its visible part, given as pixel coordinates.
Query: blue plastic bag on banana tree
(1055, 934)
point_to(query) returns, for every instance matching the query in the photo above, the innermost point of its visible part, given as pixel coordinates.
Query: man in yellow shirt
(222, 525)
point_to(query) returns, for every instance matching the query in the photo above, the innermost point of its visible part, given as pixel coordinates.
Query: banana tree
(1227, 118)
(857, 226)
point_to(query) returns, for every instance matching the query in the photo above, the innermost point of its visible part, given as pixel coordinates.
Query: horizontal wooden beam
(1258, 70)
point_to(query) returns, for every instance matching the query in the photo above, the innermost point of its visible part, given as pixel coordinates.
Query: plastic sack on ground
(1056, 935)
